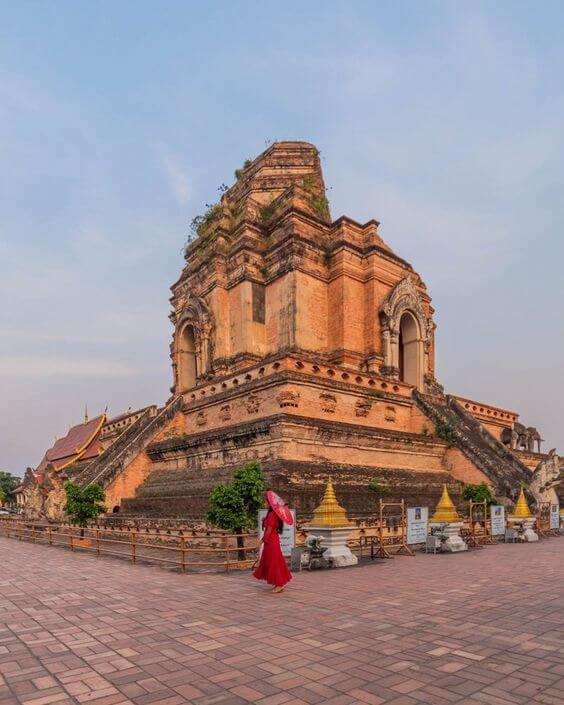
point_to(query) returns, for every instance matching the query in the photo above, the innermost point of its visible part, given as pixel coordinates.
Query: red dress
(272, 566)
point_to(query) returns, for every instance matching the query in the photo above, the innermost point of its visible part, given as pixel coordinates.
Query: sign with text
(554, 516)
(417, 524)
(497, 519)
(287, 537)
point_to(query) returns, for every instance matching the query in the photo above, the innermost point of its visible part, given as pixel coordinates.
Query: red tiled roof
(67, 448)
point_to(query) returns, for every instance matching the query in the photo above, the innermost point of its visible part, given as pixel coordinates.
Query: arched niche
(407, 331)
(187, 358)
(192, 345)
(410, 350)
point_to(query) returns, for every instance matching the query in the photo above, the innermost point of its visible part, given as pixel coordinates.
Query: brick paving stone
(484, 627)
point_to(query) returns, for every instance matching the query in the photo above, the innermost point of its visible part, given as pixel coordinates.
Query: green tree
(2, 497)
(8, 482)
(233, 507)
(84, 505)
(478, 493)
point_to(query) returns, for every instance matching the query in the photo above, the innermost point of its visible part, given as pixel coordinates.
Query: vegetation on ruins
(2, 497)
(478, 493)
(201, 224)
(233, 507)
(84, 505)
(319, 202)
(239, 172)
(376, 485)
(445, 431)
(266, 212)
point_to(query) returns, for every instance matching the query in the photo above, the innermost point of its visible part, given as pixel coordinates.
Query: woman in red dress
(272, 565)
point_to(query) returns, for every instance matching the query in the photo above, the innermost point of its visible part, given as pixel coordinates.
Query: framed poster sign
(417, 524)
(554, 516)
(497, 519)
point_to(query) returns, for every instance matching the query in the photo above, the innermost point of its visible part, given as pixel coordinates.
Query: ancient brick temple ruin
(307, 344)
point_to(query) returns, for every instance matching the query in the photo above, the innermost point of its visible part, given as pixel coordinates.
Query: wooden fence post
(182, 554)
(133, 553)
(226, 542)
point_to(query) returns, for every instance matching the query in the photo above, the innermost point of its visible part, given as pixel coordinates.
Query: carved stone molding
(405, 296)
(288, 398)
(362, 407)
(252, 403)
(225, 412)
(201, 418)
(390, 414)
(328, 402)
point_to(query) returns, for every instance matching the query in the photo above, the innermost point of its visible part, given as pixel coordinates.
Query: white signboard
(497, 519)
(287, 537)
(554, 516)
(417, 524)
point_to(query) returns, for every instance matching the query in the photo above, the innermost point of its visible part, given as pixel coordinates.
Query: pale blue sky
(119, 120)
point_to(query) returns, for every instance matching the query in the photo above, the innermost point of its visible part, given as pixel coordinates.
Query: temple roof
(82, 442)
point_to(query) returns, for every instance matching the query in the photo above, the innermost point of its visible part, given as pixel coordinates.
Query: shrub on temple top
(84, 505)
(478, 493)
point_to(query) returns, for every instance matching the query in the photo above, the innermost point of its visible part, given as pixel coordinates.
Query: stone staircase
(502, 467)
(105, 468)
(175, 493)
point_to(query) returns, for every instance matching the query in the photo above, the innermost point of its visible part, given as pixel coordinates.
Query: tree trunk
(241, 554)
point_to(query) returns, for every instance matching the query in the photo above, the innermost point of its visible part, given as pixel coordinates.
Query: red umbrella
(280, 508)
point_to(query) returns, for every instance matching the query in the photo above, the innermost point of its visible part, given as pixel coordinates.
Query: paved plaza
(482, 627)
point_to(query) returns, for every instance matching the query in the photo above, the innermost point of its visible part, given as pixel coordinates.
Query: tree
(84, 505)
(2, 497)
(233, 507)
(8, 482)
(478, 493)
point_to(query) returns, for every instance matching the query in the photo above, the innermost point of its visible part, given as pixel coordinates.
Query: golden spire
(329, 513)
(445, 511)
(86, 413)
(521, 510)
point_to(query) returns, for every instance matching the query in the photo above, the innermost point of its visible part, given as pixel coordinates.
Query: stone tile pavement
(475, 628)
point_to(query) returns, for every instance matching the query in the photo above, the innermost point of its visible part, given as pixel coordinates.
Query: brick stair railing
(505, 471)
(113, 460)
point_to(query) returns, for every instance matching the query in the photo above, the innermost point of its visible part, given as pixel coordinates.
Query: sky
(119, 121)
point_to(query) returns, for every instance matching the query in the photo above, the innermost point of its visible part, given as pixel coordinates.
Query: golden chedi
(445, 511)
(446, 524)
(521, 510)
(330, 524)
(522, 520)
(329, 512)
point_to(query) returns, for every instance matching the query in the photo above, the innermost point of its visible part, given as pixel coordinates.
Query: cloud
(41, 367)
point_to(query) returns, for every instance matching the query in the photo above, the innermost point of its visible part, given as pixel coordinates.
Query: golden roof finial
(445, 511)
(86, 413)
(329, 512)
(521, 510)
